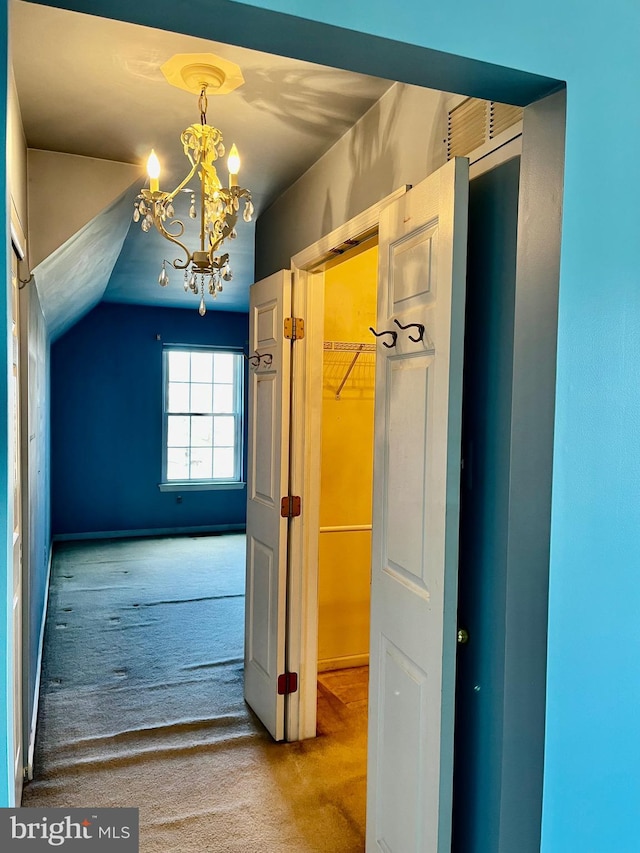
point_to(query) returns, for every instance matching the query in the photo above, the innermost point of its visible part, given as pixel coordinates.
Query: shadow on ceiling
(314, 103)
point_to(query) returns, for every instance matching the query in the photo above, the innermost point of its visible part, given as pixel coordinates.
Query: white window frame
(235, 482)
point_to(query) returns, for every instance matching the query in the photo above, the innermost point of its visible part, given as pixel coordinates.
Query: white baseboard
(150, 531)
(343, 663)
(36, 697)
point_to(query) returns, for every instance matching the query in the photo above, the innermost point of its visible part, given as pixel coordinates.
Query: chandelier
(217, 207)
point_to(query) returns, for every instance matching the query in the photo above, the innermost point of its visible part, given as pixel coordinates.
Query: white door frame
(306, 436)
(306, 431)
(20, 608)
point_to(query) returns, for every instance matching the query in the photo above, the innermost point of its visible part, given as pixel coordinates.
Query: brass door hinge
(287, 683)
(290, 506)
(294, 328)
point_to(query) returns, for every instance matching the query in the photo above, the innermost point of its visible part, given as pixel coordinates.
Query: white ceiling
(93, 87)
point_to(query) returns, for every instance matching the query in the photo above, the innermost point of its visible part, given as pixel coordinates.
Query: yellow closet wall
(347, 465)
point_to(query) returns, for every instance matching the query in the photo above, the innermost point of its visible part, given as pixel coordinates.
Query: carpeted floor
(141, 705)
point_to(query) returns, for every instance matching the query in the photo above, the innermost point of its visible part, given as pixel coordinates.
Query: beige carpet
(141, 705)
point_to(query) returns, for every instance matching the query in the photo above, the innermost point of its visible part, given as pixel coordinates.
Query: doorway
(346, 476)
(491, 349)
(346, 487)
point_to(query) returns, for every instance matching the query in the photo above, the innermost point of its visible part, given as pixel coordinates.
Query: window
(202, 416)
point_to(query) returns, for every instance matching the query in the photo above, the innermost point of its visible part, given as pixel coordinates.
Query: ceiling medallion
(216, 206)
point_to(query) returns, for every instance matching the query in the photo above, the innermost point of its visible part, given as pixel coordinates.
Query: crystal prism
(202, 310)
(136, 214)
(146, 225)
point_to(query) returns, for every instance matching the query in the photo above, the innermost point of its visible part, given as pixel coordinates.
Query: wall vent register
(473, 123)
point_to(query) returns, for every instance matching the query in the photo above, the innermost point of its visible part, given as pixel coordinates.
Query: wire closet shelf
(355, 347)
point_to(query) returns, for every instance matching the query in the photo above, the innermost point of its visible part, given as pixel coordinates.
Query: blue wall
(106, 421)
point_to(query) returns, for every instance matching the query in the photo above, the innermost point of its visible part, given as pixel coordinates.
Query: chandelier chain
(202, 105)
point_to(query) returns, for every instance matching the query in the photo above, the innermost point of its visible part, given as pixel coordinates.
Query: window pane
(223, 398)
(201, 398)
(178, 464)
(224, 364)
(201, 366)
(223, 460)
(224, 431)
(178, 431)
(201, 463)
(202, 445)
(201, 432)
(178, 366)
(178, 397)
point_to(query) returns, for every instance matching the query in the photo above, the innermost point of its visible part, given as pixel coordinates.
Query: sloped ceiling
(93, 87)
(72, 280)
(67, 191)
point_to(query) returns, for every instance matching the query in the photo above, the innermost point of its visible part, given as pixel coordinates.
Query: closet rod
(348, 346)
(349, 369)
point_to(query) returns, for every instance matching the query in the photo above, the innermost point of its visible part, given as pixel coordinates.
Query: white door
(422, 269)
(267, 484)
(17, 537)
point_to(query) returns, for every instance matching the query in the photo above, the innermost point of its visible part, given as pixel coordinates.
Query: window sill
(202, 486)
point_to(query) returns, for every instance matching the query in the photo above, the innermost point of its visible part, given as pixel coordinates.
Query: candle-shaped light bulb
(153, 170)
(233, 164)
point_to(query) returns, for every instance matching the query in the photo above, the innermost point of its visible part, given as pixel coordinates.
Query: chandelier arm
(182, 185)
(174, 239)
(230, 222)
(214, 245)
(157, 221)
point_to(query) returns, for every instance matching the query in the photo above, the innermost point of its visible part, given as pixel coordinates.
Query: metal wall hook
(393, 334)
(257, 358)
(418, 326)
(23, 282)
